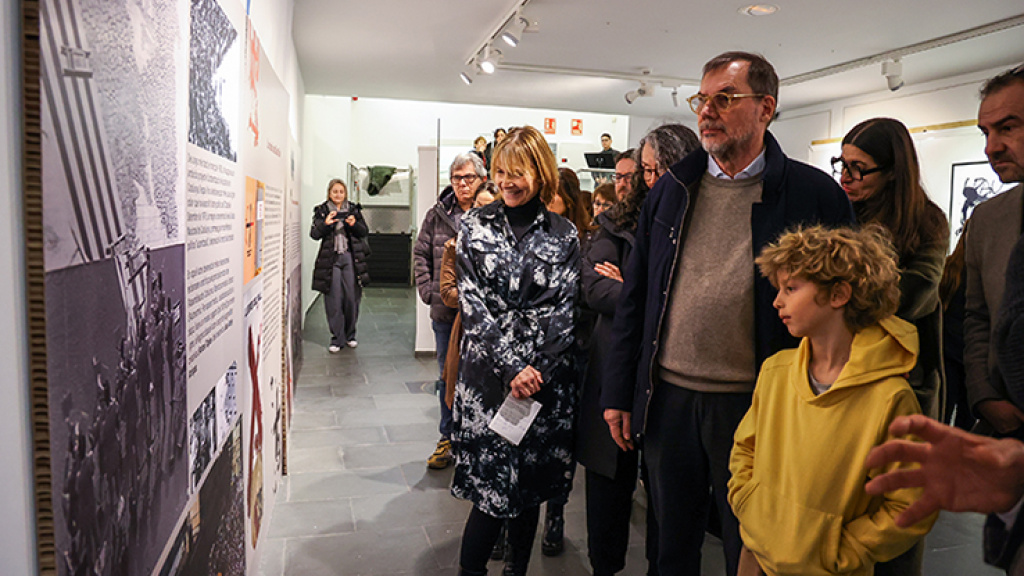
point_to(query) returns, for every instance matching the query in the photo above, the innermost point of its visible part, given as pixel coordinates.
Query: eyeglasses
(602, 205)
(620, 177)
(720, 100)
(856, 172)
(653, 172)
(468, 179)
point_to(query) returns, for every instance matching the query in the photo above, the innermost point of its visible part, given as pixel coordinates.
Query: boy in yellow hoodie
(797, 483)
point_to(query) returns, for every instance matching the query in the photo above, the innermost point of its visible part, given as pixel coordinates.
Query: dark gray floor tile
(361, 419)
(364, 553)
(375, 456)
(386, 511)
(338, 437)
(388, 401)
(272, 556)
(312, 393)
(322, 459)
(367, 389)
(445, 540)
(337, 404)
(424, 432)
(345, 484)
(313, 518)
(314, 421)
(419, 478)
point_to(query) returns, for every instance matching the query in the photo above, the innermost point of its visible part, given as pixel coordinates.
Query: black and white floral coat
(518, 310)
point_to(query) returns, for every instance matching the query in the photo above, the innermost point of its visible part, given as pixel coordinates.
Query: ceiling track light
(510, 29)
(514, 32)
(893, 72)
(643, 91)
(489, 61)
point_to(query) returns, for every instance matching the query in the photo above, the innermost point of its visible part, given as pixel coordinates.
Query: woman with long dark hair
(880, 173)
(518, 276)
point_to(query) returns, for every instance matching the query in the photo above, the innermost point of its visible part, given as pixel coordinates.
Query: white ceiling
(415, 49)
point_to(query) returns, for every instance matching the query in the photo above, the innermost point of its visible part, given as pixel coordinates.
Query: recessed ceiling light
(759, 10)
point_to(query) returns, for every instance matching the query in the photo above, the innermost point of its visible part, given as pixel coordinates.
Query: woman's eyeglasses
(856, 172)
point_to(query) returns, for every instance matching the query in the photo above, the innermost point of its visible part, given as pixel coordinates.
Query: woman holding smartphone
(340, 270)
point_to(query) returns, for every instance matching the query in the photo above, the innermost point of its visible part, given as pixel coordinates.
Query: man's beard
(727, 149)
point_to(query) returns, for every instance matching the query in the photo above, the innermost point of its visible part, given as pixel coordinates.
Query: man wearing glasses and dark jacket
(695, 321)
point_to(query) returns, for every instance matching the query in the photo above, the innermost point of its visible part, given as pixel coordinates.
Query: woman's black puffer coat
(357, 244)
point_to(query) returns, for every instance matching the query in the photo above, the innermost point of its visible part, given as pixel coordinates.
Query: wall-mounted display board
(170, 251)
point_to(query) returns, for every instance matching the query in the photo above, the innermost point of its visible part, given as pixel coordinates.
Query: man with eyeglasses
(441, 223)
(625, 167)
(694, 321)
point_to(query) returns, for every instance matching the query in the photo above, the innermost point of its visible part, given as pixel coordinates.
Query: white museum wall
(17, 532)
(639, 126)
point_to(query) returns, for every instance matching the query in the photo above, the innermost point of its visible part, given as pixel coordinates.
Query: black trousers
(689, 437)
(481, 532)
(609, 507)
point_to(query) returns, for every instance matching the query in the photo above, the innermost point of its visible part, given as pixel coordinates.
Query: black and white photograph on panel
(972, 183)
(111, 138)
(211, 539)
(214, 72)
(227, 401)
(110, 72)
(118, 417)
(202, 438)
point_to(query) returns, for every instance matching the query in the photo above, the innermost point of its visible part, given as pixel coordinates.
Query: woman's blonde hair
(524, 150)
(864, 259)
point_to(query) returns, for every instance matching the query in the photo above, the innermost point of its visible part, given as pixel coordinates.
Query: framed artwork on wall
(971, 184)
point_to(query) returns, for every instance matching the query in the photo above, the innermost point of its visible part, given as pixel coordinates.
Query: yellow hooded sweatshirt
(797, 463)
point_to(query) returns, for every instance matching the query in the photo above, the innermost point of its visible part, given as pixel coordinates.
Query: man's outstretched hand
(959, 471)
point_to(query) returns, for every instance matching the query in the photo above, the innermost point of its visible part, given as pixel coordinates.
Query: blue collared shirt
(752, 169)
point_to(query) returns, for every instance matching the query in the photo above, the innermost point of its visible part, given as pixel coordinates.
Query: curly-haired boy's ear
(841, 294)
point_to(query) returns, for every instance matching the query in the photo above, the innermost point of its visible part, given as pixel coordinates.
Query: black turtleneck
(520, 217)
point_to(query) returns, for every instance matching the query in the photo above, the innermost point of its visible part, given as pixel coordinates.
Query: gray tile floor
(359, 500)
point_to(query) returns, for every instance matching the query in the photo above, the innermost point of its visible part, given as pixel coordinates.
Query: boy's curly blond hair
(865, 259)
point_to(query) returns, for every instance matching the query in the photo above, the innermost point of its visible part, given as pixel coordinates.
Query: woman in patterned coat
(518, 267)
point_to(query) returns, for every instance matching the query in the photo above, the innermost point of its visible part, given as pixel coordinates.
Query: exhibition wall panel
(170, 204)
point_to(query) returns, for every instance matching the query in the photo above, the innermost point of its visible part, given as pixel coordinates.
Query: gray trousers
(342, 302)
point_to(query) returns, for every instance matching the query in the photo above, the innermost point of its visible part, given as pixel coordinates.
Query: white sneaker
(352, 343)
(334, 349)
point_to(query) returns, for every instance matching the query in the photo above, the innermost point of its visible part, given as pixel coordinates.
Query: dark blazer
(989, 237)
(595, 448)
(357, 245)
(793, 193)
